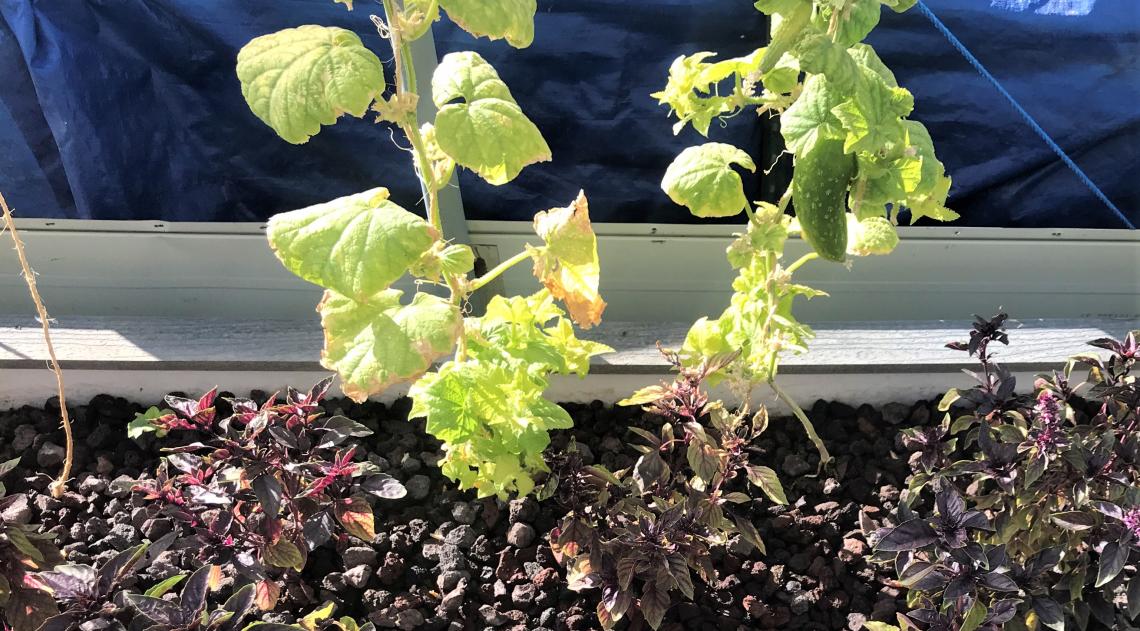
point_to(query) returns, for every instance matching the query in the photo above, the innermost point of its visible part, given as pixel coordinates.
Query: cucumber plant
(486, 401)
(858, 164)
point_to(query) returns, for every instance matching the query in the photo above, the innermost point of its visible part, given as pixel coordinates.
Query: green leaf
(568, 266)
(702, 179)
(767, 480)
(164, 586)
(871, 118)
(856, 19)
(298, 79)
(479, 124)
(144, 423)
(356, 245)
(810, 118)
(819, 55)
(283, 553)
(974, 617)
(512, 20)
(493, 420)
(375, 344)
(870, 236)
(872, 625)
(790, 18)
(704, 459)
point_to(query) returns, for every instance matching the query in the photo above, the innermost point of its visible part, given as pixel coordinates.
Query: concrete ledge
(150, 343)
(144, 358)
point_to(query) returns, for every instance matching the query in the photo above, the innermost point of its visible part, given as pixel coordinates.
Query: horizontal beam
(140, 343)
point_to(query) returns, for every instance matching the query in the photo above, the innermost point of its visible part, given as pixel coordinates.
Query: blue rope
(957, 43)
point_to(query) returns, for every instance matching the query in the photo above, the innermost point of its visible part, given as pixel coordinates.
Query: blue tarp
(130, 109)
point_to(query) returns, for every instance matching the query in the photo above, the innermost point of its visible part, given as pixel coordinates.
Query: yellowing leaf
(479, 124)
(509, 19)
(265, 594)
(568, 265)
(375, 344)
(298, 79)
(356, 516)
(312, 620)
(702, 179)
(356, 245)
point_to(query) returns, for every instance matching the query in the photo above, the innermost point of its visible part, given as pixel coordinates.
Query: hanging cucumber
(819, 195)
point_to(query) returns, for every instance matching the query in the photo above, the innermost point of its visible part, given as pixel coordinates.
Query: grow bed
(443, 559)
(814, 575)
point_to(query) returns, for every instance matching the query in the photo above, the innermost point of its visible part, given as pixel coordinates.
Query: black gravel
(444, 560)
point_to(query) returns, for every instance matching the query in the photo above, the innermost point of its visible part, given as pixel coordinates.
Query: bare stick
(60, 484)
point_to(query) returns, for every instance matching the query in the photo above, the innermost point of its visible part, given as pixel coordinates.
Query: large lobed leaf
(479, 123)
(568, 264)
(356, 245)
(702, 179)
(377, 343)
(512, 20)
(298, 79)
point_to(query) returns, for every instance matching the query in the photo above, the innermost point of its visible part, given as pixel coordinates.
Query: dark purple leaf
(1074, 520)
(383, 486)
(284, 437)
(1050, 613)
(1134, 597)
(62, 622)
(158, 610)
(193, 596)
(648, 470)
(184, 462)
(318, 529)
(71, 582)
(1109, 510)
(268, 491)
(114, 570)
(975, 520)
(1043, 561)
(1003, 611)
(205, 495)
(998, 582)
(318, 392)
(909, 535)
(958, 587)
(1112, 559)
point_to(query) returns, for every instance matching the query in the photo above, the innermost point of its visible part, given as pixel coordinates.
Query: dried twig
(60, 484)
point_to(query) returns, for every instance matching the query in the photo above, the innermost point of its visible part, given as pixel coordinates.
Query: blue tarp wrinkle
(130, 109)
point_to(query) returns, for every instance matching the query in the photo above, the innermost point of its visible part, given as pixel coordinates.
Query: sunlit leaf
(479, 124)
(512, 20)
(568, 265)
(356, 245)
(298, 79)
(383, 341)
(703, 179)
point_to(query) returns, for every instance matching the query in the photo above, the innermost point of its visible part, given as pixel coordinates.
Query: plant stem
(810, 256)
(60, 484)
(497, 271)
(824, 457)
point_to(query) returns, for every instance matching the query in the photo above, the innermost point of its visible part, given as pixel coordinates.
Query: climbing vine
(486, 401)
(858, 165)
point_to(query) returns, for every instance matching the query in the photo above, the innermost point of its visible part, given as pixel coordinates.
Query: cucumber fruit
(819, 196)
